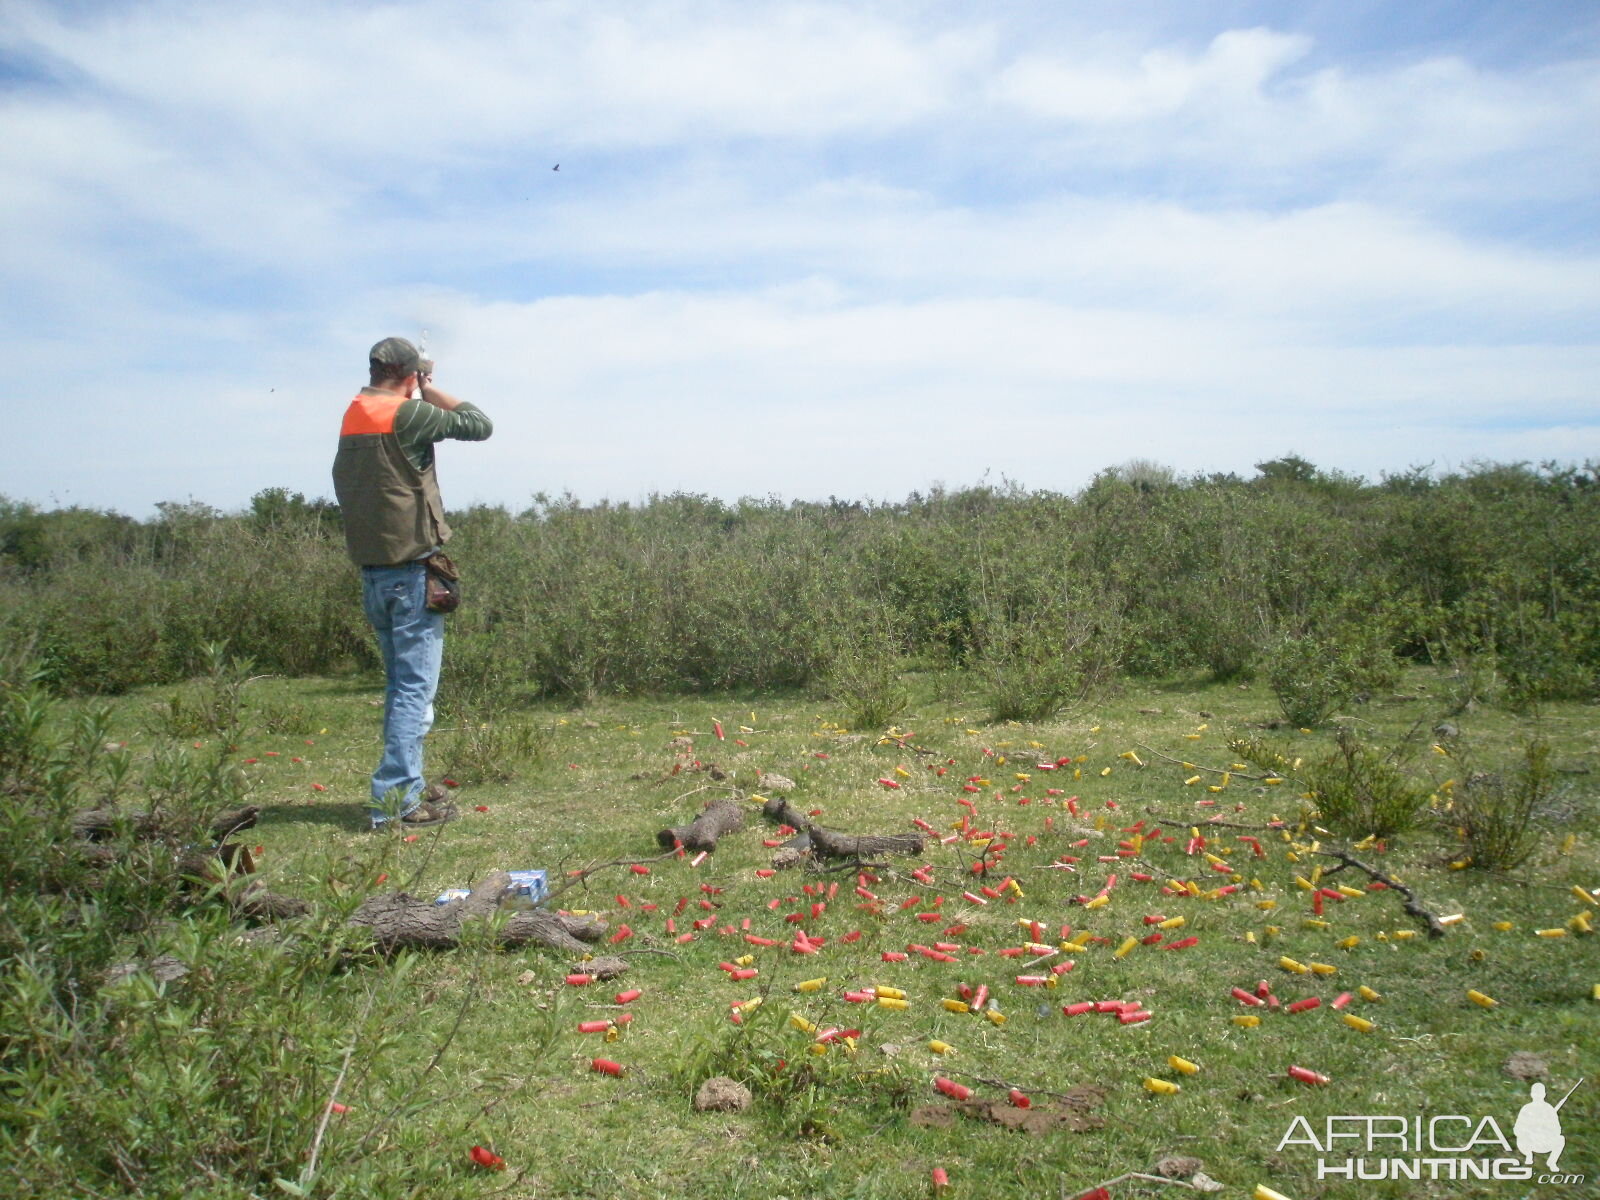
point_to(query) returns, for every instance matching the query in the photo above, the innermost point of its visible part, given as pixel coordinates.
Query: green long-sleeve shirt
(418, 425)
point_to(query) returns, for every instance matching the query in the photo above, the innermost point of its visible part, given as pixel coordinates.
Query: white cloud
(794, 247)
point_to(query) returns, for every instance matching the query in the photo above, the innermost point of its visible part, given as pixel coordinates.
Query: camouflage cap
(395, 352)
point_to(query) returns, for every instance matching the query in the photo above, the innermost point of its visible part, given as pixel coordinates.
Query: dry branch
(1411, 907)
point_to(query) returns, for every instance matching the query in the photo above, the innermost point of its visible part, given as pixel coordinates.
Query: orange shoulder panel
(370, 414)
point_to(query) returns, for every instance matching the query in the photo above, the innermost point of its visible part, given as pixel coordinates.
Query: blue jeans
(412, 641)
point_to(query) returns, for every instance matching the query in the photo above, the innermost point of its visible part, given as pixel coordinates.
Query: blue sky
(801, 250)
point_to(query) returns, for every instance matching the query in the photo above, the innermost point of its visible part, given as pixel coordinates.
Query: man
(384, 479)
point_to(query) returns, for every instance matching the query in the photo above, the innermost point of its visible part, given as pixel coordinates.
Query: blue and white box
(529, 885)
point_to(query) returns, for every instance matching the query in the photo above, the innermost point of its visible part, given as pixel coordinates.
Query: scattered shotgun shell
(1289, 964)
(1306, 1075)
(941, 1179)
(605, 1066)
(892, 1002)
(1263, 1192)
(1161, 1087)
(1550, 933)
(579, 980)
(1305, 1005)
(994, 1017)
(1342, 999)
(939, 1047)
(955, 1006)
(1078, 1009)
(812, 985)
(1244, 997)
(1480, 999)
(892, 993)
(1018, 1099)
(956, 1091)
(593, 1026)
(1324, 968)
(1133, 1018)
(1171, 923)
(1121, 951)
(1182, 1065)
(1247, 1020)
(1360, 1024)
(1368, 994)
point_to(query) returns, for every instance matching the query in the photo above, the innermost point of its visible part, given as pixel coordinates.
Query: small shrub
(492, 747)
(866, 679)
(1363, 789)
(1313, 676)
(1496, 814)
(1036, 662)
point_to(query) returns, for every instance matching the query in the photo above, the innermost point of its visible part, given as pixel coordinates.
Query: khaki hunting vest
(392, 511)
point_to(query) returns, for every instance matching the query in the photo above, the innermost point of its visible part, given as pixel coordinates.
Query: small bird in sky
(557, 167)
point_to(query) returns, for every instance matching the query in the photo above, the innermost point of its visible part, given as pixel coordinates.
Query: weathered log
(718, 818)
(827, 843)
(229, 823)
(830, 843)
(399, 921)
(97, 824)
(780, 810)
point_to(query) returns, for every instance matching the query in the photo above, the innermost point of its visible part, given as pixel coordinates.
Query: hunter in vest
(388, 495)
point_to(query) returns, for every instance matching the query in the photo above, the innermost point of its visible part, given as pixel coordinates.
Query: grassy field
(433, 1054)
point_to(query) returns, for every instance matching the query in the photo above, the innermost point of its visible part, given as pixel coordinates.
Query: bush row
(1317, 578)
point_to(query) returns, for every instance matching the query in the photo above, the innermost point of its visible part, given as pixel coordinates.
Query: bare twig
(310, 1173)
(1412, 908)
(1187, 765)
(584, 874)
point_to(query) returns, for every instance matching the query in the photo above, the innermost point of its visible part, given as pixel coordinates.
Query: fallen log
(399, 921)
(718, 818)
(822, 842)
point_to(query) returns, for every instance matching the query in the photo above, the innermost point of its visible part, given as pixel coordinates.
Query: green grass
(512, 1073)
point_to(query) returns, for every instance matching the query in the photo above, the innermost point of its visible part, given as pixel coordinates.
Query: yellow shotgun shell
(1289, 964)
(1247, 1020)
(1405, 935)
(1266, 905)
(1161, 1087)
(1551, 933)
(1122, 950)
(1345, 889)
(1098, 902)
(1182, 1065)
(1263, 1192)
(1171, 923)
(956, 1006)
(892, 1002)
(800, 1023)
(812, 985)
(1348, 943)
(1315, 923)
(994, 1018)
(1504, 926)
(1358, 1023)
(1324, 968)
(1367, 993)
(939, 1047)
(1453, 919)
(892, 993)
(749, 1005)
(1480, 999)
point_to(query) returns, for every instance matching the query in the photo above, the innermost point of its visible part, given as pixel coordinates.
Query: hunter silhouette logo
(1538, 1127)
(1439, 1147)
